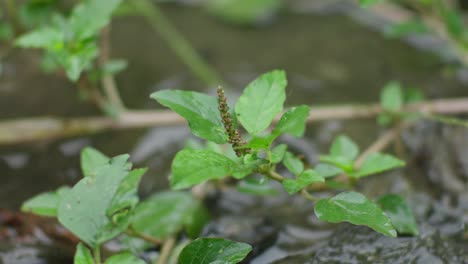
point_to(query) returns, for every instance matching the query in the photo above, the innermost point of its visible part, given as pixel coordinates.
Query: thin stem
(132, 232)
(308, 196)
(97, 254)
(177, 42)
(12, 11)
(166, 250)
(274, 175)
(108, 82)
(380, 144)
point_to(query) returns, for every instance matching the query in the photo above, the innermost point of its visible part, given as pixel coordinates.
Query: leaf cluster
(71, 42)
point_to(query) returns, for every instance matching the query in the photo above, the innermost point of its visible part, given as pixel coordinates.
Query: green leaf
(377, 163)
(293, 164)
(243, 11)
(339, 161)
(47, 38)
(400, 214)
(126, 196)
(293, 121)
(45, 204)
(256, 186)
(403, 29)
(90, 16)
(82, 255)
(391, 98)
(83, 210)
(260, 142)
(261, 101)
(214, 251)
(327, 170)
(367, 3)
(278, 152)
(115, 66)
(124, 258)
(167, 213)
(344, 147)
(91, 160)
(191, 167)
(200, 111)
(356, 209)
(303, 180)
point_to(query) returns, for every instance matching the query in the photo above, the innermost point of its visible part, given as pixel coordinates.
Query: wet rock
(441, 152)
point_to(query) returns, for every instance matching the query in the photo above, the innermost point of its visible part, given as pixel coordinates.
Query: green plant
(104, 204)
(212, 119)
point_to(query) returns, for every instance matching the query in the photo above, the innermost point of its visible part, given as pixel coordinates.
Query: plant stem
(108, 82)
(380, 144)
(12, 12)
(308, 196)
(131, 232)
(97, 254)
(166, 250)
(48, 128)
(274, 175)
(177, 42)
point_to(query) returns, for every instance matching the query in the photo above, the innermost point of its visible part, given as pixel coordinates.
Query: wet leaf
(83, 209)
(261, 101)
(344, 147)
(377, 163)
(124, 258)
(91, 159)
(354, 208)
(293, 164)
(165, 214)
(327, 170)
(83, 255)
(126, 196)
(191, 167)
(277, 153)
(400, 214)
(293, 121)
(90, 16)
(45, 204)
(303, 180)
(200, 111)
(391, 98)
(214, 251)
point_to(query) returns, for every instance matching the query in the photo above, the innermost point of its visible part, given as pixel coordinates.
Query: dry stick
(166, 250)
(108, 82)
(49, 128)
(380, 144)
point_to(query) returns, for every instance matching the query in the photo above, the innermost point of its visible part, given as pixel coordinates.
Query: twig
(48, 128)
(177, 42)
(166, 250)
(107, 80)
(380, 144)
